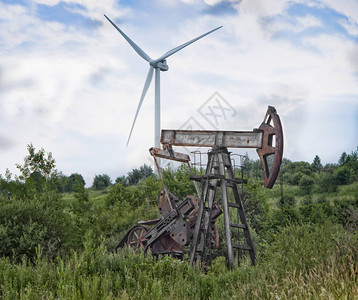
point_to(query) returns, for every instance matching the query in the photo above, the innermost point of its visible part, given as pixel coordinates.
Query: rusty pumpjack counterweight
(192, 221)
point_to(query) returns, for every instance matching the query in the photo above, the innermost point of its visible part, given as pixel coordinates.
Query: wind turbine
(159, 64)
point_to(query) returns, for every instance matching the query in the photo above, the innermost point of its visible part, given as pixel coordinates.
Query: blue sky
(71, 84)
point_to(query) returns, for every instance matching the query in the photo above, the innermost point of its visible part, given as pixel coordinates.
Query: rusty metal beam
(230, 139)
(167, 153)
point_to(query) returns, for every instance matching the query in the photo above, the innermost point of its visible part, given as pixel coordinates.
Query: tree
(317, 165)
(101, 181)
(38, 172)
(138, 174)
(251, 168)
(39, 163)
(74, 182)
(342, 175)
(352, 163)
(343, 159)
(349, 161)
(293, 172)
(122, 180)
(329, 168)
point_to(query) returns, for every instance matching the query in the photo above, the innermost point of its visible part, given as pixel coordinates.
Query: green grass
(350, 190)
(303, 262)
(96, 197)
(314, 260)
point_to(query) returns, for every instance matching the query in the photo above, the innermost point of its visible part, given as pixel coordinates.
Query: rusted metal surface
(221, 176)
(173, 230)
(161, 176)
(136, 237)
(167, 153)
(271, 151)
(267, 139)
(195, 138)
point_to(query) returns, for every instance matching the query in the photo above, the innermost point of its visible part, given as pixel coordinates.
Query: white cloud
(261, 8)
(307, 22)
(347, 8)
(212, 2)
(351, 26)
(64, 88)
(93, 9)
(89, 4)
(188, 1)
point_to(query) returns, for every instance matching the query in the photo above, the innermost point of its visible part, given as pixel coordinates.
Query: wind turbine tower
(159, 64)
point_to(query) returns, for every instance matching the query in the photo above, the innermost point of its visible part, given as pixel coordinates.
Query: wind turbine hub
(162, 65)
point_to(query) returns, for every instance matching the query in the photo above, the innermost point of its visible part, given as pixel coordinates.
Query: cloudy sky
(69, 83)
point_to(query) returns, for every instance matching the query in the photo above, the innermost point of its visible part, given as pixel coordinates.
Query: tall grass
(301, 262)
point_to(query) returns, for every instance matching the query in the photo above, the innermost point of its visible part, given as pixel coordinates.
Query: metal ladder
(219, 173)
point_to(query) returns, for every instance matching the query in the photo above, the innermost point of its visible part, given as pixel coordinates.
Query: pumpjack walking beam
(268, 141)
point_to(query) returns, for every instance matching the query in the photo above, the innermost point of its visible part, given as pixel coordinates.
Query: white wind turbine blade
(176, 49)
(144, 92)
(136, 48)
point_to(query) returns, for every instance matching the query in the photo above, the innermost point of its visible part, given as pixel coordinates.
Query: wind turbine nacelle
(162, 65)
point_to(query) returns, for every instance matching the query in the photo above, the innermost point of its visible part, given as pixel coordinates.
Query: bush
(255, 205)
(327, 183)
(118, 193)
(178, 181)
(306, 184)
(345, 209)
(293, 171)
(288, 200)
(25, 225)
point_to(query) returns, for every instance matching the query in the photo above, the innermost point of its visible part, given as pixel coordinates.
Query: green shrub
(178, 181)
(345, 210)
(289, 200)
(25, 225)
(118, 193)
(327, 183)
(306, 184)
(255, 205)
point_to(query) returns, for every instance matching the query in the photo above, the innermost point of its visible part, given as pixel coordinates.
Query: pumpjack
(192, 220)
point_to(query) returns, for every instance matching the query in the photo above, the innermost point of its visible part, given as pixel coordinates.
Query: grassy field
(314, 257)
(303, 262)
